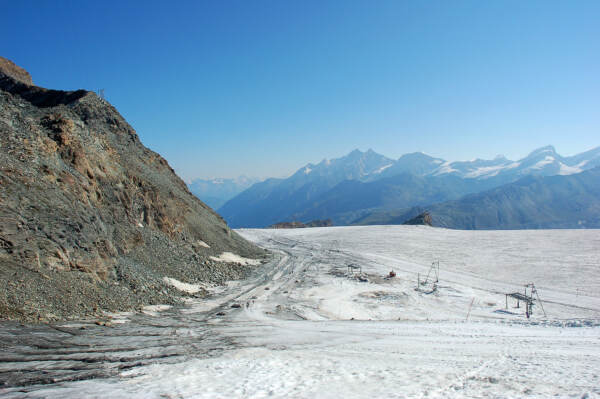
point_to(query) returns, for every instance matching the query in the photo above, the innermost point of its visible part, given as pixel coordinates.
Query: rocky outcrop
(287, 225)
(90, 219)
(300, 225)
(9, 68)
(320, 223)
(423, 219)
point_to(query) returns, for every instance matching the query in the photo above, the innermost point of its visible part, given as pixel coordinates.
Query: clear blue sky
(260, 88)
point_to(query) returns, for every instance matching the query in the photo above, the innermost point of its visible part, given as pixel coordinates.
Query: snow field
(304, 328)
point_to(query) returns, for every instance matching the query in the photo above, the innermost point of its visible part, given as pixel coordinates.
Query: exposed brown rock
(9, 68)
(90, 219)
(421, 219)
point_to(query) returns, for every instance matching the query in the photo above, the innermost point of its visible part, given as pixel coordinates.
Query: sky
(261, 88)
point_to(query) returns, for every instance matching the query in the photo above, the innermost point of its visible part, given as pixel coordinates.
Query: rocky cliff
(90, 219)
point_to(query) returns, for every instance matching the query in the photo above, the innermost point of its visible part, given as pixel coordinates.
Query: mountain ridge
(305, 194)
(559, 201)
(90, 219)
(217, 191)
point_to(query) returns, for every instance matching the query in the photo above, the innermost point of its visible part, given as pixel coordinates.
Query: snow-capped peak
(550, 150)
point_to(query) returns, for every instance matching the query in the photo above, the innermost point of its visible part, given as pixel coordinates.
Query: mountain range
(216, 192)
(362, 187)
(532, 202)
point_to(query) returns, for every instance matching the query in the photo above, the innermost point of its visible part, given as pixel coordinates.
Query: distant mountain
(275, 200)
(216, 192)
(350, 199)
(541, 162)
(363, 183)
(533, 202)
(416, 163)
(356, 165)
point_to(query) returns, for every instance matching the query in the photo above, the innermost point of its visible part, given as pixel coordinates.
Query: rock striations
(90, 219)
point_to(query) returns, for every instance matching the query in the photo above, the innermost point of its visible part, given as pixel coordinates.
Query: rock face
(90, 219)
(423, 219)
(9, 68)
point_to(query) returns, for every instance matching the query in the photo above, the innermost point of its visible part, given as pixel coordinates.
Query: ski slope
(306, 328)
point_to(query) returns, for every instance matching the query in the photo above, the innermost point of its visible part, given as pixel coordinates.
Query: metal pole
(540, 301)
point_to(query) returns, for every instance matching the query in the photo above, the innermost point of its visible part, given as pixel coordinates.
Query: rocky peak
(90, 219)
(546, 150)
(9, 68)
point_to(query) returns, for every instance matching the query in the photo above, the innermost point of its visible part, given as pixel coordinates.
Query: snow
(540, 164)
(154, 310)
(307, 170)
(485, 171)
(229, 257)
(378, 171)
(118, 317)
(297, 338)
(571, 170)
(444, 168)
(202, 244)
(473, 263)
(181, 286)
(490, 171)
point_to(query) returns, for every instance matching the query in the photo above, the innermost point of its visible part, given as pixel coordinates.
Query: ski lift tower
(434, 273)
(528, 297)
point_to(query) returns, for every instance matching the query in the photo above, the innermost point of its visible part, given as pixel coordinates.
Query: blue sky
(261, 88)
